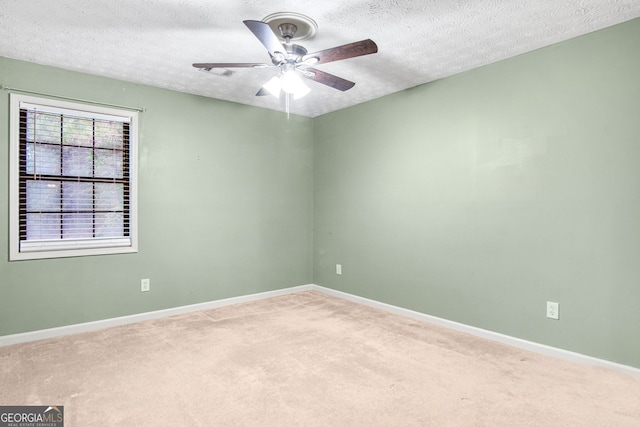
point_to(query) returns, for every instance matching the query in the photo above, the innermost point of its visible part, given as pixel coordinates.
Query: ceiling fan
(292, 59)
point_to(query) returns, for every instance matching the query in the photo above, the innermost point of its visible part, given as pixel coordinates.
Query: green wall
(479, 197)
(476, 198)
(225, 208)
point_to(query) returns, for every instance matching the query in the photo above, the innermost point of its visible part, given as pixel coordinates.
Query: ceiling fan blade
(351, 50)
(328, 79)
(209, 65)
(267, 37)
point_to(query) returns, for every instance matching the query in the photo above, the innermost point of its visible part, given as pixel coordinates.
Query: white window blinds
(74, 179)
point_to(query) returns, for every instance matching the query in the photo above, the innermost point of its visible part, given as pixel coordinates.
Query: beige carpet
(306, 359)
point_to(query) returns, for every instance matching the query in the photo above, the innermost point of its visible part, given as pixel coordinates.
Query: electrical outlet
(552, 310)
(145, 285)
(338, 268)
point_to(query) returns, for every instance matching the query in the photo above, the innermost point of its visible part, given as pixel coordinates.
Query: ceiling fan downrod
(287, 31)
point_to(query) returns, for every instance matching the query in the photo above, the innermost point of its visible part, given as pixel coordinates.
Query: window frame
(69, 247)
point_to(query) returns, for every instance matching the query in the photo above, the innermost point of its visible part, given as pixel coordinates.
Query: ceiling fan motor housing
(294, 53)
(295, 50)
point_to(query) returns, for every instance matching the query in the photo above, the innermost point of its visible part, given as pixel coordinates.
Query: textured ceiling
(154, 42)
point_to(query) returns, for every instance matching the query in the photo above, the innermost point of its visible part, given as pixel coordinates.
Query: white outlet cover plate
(552, 310)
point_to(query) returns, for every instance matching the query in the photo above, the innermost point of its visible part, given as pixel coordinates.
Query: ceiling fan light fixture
(293, 84)
(273, 86)
(288, 82)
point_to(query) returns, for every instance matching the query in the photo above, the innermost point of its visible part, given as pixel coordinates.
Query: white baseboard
(117, 321)
(494, 336)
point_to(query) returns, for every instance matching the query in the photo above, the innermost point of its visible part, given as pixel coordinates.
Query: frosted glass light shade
(293, 84)
(273, 86)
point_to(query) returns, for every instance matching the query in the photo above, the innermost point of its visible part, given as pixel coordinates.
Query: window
(73, 179)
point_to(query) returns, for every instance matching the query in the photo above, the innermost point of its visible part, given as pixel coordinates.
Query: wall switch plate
(145, 285)
(552, 310)
(338, 268)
